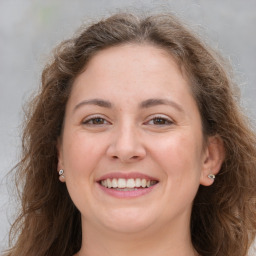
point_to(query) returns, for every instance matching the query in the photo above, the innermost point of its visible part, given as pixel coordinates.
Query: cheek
(81, 154)
(180, 158)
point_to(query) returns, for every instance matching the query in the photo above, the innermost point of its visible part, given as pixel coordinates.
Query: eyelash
(166, 121)
(91, 120)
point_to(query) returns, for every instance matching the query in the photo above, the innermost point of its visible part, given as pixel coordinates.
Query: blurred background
(30, 29)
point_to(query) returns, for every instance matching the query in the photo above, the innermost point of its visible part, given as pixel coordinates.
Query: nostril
(126, 159)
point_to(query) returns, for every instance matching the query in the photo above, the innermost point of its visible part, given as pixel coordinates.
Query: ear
(60, 165)
(213, 158)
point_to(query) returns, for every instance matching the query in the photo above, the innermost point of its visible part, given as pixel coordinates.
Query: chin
(128, 220)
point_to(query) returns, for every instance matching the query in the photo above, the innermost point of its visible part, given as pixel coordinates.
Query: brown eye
(160, 121)
(95, 121)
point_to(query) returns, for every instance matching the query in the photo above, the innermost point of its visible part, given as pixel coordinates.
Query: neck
(164, 241)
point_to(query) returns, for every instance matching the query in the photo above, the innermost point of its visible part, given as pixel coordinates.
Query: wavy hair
(223, 221)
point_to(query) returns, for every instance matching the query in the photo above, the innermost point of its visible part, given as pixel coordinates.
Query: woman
(135, 119)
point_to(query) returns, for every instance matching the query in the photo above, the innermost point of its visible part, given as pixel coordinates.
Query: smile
(127, 184)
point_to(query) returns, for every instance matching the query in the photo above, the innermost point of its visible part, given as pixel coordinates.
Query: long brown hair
(223, 221)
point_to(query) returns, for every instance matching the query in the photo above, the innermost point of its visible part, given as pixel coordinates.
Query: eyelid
(160, 116)
(86, 120)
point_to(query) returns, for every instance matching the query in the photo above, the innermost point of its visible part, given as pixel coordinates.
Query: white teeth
(121, 183)
(114, 183)
(143, 183)
(130, 183)
(137, 183)
(104, 183)
(125, 185)
(109, 183)
(126, 189)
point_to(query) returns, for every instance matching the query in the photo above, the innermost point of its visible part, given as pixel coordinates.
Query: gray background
(30, 29)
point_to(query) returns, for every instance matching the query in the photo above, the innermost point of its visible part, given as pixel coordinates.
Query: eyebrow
(144, 104)
(155, 102)
(97, 102)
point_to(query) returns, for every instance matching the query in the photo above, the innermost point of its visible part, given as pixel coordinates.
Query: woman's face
(132, 122)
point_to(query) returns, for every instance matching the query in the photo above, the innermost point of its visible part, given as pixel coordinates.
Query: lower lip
(127, 194)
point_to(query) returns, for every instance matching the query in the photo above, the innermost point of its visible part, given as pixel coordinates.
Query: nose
(126, 145)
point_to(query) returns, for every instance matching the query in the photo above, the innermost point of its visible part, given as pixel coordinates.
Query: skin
(164, 141)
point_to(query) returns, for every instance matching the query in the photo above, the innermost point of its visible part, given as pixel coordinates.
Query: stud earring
(211, 176)
(61, 174)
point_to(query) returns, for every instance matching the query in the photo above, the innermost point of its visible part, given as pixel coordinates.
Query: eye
(95, 121)
(160, 121)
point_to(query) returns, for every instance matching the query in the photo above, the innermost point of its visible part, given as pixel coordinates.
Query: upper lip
(122, 175)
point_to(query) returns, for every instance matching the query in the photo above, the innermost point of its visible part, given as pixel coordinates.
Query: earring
(61, 174)
(211, 176)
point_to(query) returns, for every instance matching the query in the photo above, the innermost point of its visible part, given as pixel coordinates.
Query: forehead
(132, 66)
(134, 57)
